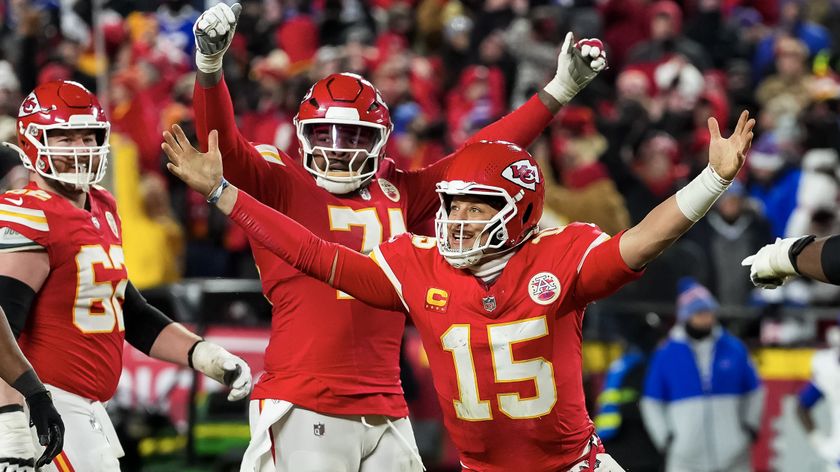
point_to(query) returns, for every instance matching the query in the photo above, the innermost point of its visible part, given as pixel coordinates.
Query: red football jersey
(74, 333)
(346, 362)
(506, 358)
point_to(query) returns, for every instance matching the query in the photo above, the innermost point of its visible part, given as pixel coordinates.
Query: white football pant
(90, 442)
(288, 438)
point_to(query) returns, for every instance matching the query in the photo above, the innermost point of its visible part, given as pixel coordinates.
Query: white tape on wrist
(560, 91)
(208, 64)
(695, 199)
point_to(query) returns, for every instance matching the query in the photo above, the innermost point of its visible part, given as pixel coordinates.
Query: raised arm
(577, 65)
(670, 219)
(213, 108)
(336, 265)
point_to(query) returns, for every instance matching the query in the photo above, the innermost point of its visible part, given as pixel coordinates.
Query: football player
(64, 285)
(498, 304)
(808, 256)
(331, 397)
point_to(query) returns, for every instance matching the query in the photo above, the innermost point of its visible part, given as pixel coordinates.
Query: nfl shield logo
(318, 429)
(489, 303)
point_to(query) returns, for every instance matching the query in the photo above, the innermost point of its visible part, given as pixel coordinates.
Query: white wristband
(695, 199)
(208, 64)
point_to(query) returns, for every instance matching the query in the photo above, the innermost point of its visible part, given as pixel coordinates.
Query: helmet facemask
(495, 228)
(342, 155)
(89, 162)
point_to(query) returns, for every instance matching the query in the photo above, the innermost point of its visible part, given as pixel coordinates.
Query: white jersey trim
(600, 239)
(270, 153)
(379, 258)
(35, 219)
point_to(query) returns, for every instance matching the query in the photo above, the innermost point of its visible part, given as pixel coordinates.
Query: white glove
(771, 267)
(213, 32)
(577, 64)
(215, 362)
(17, 449)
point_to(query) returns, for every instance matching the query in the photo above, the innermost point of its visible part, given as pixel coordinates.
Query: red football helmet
(344, 119)
(62, 105)
(498, 170)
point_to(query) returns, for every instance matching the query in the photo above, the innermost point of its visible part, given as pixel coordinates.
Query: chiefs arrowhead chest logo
(522, 173)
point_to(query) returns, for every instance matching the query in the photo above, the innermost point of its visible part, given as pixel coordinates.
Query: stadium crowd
(446, 68)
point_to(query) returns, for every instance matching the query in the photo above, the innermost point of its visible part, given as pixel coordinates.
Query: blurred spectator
(666, 38)
(792, 76)
(773, 181)
(619, 421)
(175, 21)
(585, 192)
(816, 209)
(478, 100)
(656, 164)
(732, 231)
(711, 30)
(825, 370)
(152, 238)
(792, 23)
(626, 23)
(535, 41)
(456, 48)
(702, 380)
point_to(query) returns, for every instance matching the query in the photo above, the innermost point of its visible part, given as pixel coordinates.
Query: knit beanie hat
(693, 298)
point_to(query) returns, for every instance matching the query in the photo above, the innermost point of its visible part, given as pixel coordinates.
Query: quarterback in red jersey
(65, 289)
(499, 304)
(331, 359)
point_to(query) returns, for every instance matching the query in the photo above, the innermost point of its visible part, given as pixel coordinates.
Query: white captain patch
(544, 288)
(11, 240)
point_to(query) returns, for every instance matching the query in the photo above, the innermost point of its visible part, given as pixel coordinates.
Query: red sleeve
(341, 267)
(603, 271)
(521, 127)
(244, 166)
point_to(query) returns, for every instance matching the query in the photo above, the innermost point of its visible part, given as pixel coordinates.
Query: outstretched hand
(727, 155)
(201, 171)
(578, 63)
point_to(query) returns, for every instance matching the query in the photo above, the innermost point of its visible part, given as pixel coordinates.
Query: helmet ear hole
(527, 213)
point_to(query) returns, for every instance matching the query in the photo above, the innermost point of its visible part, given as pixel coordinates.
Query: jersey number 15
(501, 338)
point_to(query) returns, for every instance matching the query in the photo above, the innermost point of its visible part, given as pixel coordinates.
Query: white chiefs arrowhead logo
(523, 173)
(31, 105)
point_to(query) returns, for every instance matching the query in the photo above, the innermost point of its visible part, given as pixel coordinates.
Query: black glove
(48, 424)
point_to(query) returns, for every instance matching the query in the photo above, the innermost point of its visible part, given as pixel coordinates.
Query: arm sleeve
(809, 396)
(654, 404)
(14, 363)
(244, 165)
(602, 270)
(341, 267)
(16, 300)
(143, 322)
(521, 127)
